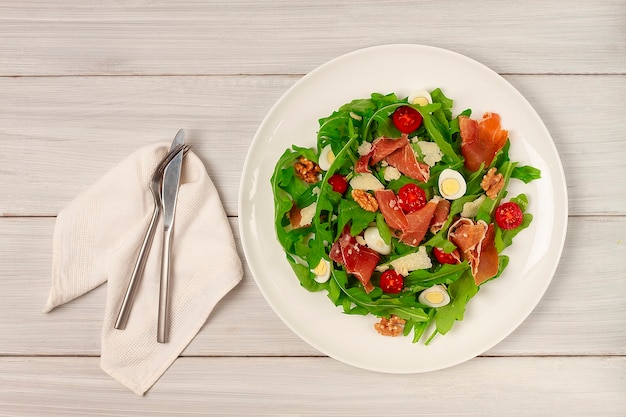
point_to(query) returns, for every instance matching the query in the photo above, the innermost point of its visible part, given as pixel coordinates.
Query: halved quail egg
(326, 158)
(322, 271)
(435, 296)
(420, 97)
(452, 185)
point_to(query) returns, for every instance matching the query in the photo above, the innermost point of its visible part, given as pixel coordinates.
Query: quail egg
(326, 158)
(420, 97)
(435, 296)
(375, 242)
(322, 271)
(451, 184)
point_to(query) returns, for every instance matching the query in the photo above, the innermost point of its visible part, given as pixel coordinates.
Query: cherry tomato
(509, 216)
(339, 183)
(391, 282)
(445, 258)
(406, 119)
(411, 198)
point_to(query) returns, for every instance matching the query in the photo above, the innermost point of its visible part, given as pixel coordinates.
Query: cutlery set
(163, 185)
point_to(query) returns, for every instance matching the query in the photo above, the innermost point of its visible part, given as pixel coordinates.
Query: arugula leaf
(461, 292)
(436, 135)
(446, 274)
(350, 211)
(383, 228)
(305, 276)
(526, 173)
(445, 113)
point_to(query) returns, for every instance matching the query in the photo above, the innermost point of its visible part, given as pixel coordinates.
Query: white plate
(501, 305)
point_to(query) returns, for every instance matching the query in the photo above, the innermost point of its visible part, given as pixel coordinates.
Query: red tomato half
(339, 183)
(411, 198)
(406, 119)
(391, 282)
(509, 216)
(444, 258)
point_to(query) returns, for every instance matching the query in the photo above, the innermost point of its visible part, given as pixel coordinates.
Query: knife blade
(171, 182)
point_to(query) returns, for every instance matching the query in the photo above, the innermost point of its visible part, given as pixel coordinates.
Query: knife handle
(164, 302)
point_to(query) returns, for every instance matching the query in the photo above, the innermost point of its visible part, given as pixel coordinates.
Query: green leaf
(383, 228)
(437, 136)
(305, 276)
(446, 274)
(526, 173)
(351, 212)
(460, 292)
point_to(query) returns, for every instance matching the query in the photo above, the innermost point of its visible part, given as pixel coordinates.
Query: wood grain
(319, 386)
(243, 36)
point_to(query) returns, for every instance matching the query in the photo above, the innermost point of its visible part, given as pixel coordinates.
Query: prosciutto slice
(418, 224)
(358, 260)
(481, 140)
(381, 147)
(441, 215)
(476, 242)
(412, 227)
(404, 160)
(362, 165)
(388, 205)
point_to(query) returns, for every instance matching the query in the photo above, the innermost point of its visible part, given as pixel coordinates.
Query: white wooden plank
(233, 37)
(581, 313)
(59, 135)
(573, 386)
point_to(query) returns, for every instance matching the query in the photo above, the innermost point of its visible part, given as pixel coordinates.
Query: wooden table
(85, 83)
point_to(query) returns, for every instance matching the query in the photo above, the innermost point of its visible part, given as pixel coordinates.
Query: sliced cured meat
(404, 160)
(358, 260)
(487, 265)
(362, 165)
(476, 242)
(412, 226)
(490, 130)
(441, 215)
(383, 146)
(388, 205)
(418, 224)
(481, 140)
(466, 234)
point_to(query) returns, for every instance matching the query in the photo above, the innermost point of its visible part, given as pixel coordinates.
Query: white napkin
(97, 238)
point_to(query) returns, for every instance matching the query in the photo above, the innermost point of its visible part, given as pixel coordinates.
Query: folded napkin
(97, 239)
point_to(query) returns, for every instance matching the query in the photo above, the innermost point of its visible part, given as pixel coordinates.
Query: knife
(171, 181)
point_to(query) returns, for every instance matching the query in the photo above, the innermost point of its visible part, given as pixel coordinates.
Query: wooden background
(85, 83)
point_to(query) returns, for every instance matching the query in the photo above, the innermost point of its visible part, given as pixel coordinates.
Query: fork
(156, 190)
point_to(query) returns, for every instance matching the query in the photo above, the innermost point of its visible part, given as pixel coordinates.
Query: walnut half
(492, 183)
(365, 200)
(392, 326)
(307, 170)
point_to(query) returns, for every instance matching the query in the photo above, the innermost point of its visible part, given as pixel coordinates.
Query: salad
(401, 210)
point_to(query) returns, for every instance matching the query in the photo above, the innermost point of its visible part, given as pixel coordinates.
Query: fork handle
(140, 264)
(163, 318)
